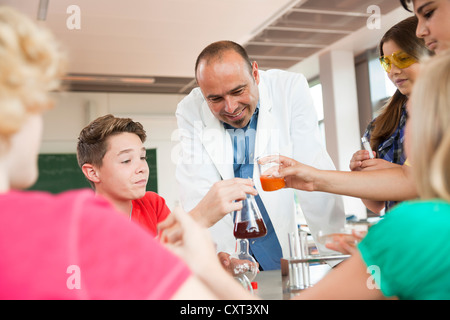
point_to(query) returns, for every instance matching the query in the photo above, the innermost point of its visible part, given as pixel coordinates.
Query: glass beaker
(269, 170)
(248, 224)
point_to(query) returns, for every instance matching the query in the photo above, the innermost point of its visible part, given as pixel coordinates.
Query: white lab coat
(287, 123)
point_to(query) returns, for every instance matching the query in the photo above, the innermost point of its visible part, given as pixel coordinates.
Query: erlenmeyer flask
(248, 222)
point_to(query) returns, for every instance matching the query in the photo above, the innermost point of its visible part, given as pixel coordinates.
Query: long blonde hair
(430, 134)
(31, 65)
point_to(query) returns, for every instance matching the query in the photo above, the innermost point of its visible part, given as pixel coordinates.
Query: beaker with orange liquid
(269, 173)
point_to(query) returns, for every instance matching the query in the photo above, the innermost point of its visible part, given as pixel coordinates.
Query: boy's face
(124, 171)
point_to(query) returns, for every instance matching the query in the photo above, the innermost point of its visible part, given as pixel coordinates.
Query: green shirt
(408, 252)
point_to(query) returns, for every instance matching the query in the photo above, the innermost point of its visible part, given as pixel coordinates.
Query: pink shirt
(75, 246)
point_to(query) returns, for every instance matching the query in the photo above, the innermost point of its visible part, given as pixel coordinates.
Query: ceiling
(151, 45)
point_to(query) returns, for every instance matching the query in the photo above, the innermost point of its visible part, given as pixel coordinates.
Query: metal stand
(316, 259)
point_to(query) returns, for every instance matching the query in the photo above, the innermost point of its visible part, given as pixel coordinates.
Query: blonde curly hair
(31, 65)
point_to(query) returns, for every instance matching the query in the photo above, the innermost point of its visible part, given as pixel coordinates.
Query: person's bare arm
(217, 286)
(394, 184)
(193, 289)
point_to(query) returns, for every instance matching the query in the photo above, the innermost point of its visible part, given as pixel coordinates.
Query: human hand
(223, 197)
(361, 161)
(345, 243)
(190, 241)
(296, 174)
(377, 164)
(235, 266)
(225, 261)
(358, 158)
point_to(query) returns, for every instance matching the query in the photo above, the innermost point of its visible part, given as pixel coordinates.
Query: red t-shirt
(149, 211)
(76, 246)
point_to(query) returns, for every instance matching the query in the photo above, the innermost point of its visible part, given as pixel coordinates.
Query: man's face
(124, 171)
(230, 88)
(434, 23)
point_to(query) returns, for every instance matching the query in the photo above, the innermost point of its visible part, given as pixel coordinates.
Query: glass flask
(248, 224)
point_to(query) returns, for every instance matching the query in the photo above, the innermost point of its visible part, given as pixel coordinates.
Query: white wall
(74, 110)
(341, 115)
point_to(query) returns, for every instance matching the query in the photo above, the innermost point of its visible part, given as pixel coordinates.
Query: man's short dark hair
(216, 49)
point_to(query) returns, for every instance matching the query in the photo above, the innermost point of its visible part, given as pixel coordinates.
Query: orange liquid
(270, 183)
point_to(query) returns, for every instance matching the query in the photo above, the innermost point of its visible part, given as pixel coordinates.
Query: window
(316, 93)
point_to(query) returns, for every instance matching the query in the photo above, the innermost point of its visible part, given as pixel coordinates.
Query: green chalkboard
(60, 172)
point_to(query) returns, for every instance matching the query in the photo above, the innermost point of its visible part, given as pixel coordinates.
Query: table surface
(272, 286)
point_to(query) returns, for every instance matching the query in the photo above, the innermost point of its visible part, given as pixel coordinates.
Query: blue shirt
(266, 250)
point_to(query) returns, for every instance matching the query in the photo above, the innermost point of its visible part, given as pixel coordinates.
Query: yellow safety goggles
(400, 59)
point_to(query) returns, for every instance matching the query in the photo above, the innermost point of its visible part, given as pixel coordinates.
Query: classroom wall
(156, 112)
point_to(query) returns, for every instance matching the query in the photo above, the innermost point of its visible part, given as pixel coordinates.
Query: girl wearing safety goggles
(400, 53)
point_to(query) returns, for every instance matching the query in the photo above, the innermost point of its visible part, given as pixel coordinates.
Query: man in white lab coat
(237, 114)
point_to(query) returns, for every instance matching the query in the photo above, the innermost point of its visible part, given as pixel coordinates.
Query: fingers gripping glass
(400, 59)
